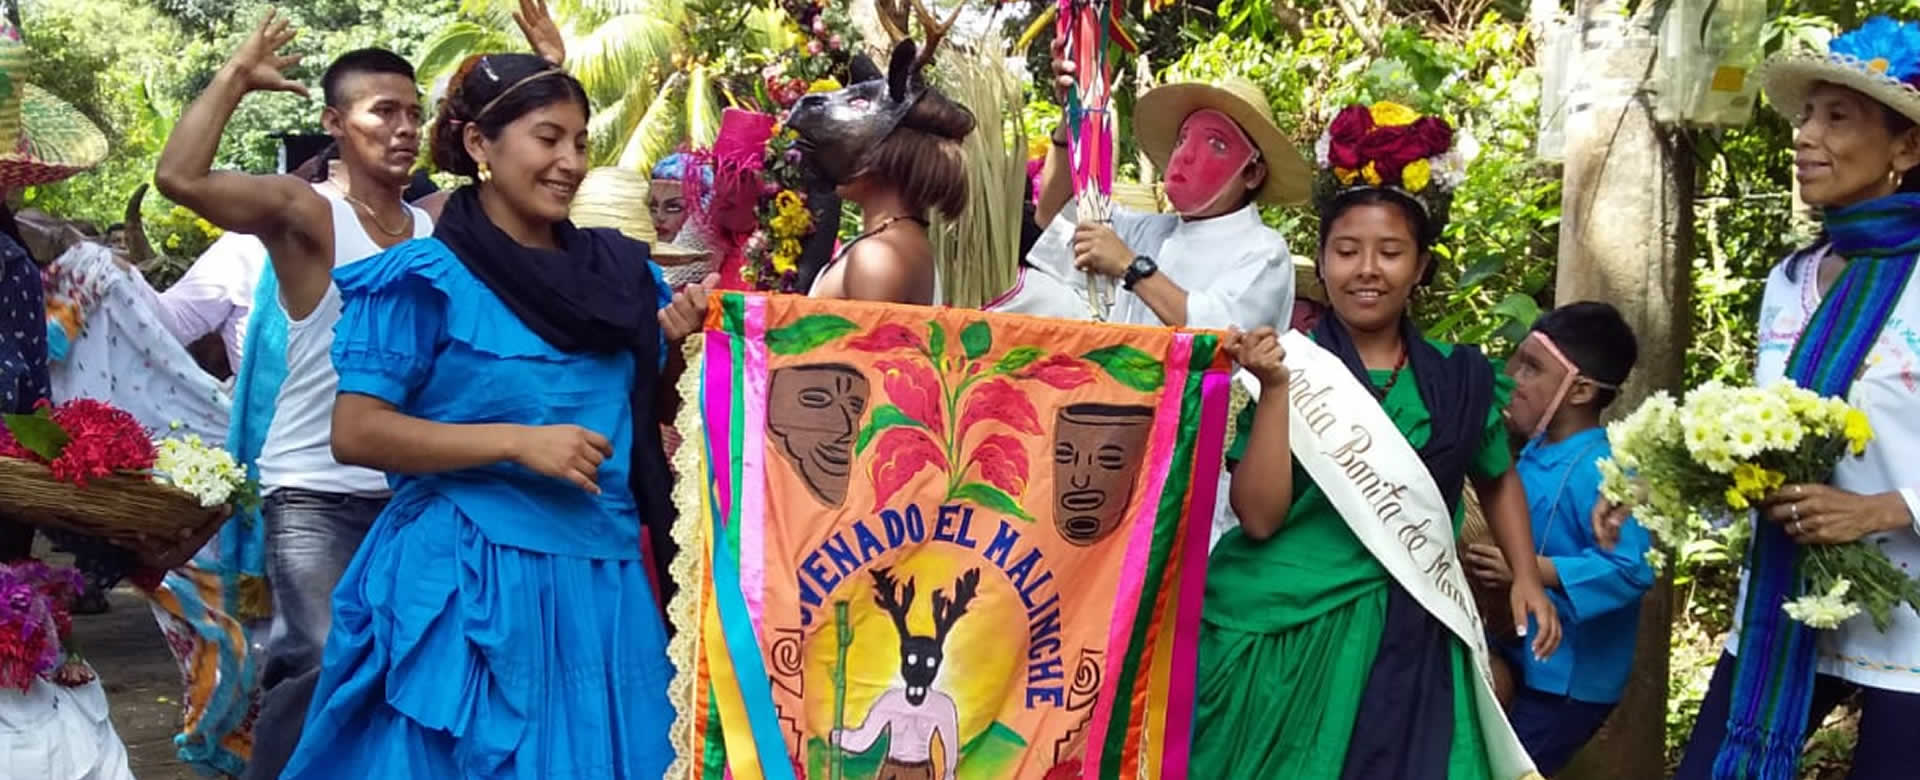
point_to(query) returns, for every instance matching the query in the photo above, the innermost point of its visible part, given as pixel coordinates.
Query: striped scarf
(1773, 679)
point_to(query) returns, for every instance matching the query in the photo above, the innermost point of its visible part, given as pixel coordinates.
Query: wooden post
(1626, 237)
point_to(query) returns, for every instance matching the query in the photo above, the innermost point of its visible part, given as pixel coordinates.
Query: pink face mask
(1566, 382)
(1207, 159)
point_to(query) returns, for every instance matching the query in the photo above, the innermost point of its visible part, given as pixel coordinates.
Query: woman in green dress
(1314, 661)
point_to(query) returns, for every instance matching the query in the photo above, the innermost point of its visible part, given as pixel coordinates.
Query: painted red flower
(998, 400)
(1003, 463)
(1061, 372)
(912, 386)
(887, 338)
(902, 453)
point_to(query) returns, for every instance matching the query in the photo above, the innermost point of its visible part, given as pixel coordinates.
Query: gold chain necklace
(375, 218)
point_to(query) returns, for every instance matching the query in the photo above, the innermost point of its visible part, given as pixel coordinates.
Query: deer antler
(883, 595)
(936, 30)
(893, 18)
(945, 612)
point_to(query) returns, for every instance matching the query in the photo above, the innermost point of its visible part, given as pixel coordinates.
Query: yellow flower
(823, 85)
(787, 256)
(788, 200)
(1748, 479)
(1345, 175)
(1858, 432)
(1735, 500)
(1415, 176)
(1387, 113)
(1038, 146)
(1371, 174)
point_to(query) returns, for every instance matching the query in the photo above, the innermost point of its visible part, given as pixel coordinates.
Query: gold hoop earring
(486, 174)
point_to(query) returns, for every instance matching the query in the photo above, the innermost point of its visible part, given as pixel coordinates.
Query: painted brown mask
(1097, 450)
(814, 411)
(837, 127)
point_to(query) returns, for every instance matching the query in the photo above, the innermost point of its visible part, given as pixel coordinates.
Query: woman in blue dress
(498, 621)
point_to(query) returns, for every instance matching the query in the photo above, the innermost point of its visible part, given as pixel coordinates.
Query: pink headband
(1566, 384)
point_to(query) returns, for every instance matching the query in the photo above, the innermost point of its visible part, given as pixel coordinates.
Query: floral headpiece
(1390, 146)
(1881, 60)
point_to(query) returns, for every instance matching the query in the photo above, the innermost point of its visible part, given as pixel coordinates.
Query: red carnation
(1436, 137)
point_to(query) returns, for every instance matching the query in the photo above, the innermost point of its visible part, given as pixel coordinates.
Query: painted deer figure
(913, 713)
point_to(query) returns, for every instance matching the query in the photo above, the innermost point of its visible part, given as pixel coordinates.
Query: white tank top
(298, 452)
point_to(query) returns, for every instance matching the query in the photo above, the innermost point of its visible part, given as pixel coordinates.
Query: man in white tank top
(317, 511)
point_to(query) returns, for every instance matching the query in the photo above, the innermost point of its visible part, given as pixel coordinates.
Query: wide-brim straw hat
(1870, 60)
(45, 139)
(617, 198)
(1160, 112)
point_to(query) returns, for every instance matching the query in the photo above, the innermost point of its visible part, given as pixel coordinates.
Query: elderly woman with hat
(1836, 318)
(1211, 264)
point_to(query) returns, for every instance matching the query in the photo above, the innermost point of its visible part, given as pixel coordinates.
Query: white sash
(1379, 485)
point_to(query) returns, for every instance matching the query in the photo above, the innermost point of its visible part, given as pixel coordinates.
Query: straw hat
(1306, 280)
(1880, 59)
(1160, 112)
(45, 139)
(617, 198)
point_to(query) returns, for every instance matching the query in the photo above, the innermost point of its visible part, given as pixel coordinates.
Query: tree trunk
(1626, 237)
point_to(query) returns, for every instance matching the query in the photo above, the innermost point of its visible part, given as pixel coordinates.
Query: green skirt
(1283, 704)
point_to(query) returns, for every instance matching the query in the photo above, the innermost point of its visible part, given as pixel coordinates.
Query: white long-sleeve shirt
(215, 295)
(1888, 390)
(1236, 271)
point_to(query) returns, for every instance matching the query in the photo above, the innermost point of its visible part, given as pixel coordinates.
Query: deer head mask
(921, 656)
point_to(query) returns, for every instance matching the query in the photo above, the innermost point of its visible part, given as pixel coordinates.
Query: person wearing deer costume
(892, 145)
(1340, 638)
(1212, 263)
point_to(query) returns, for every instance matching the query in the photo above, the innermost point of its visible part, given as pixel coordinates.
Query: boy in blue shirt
(1565, 374)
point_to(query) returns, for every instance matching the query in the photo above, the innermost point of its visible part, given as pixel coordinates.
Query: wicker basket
(159, 522)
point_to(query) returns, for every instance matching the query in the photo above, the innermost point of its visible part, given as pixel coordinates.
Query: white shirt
(299, 449)
(1888, 390)
(216, 294)
(1236, 271)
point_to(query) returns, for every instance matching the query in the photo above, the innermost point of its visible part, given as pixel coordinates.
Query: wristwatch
(1142, 267)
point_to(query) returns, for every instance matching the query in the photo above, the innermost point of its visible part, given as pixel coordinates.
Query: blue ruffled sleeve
(392, 321)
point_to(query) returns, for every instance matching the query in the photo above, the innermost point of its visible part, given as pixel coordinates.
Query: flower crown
(1388, 145)
(1883, 47)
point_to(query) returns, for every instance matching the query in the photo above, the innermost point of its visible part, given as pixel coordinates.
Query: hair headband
(487, 68)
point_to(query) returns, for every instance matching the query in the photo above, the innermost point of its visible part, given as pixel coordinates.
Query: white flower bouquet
(208, 472)
(1692, 471)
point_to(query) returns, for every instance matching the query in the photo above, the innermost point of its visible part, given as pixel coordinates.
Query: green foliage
(1496, 255)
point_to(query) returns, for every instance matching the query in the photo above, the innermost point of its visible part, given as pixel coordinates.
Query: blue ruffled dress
(496, 623)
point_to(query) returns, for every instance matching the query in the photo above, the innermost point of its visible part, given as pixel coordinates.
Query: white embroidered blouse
(1888, 390)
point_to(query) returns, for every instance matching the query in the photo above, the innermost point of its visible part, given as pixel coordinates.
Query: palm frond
(978, 254)
(703, 111)
(608, 131)
(628, 48)
(660, 130)
(769, 29)
(454, 43)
